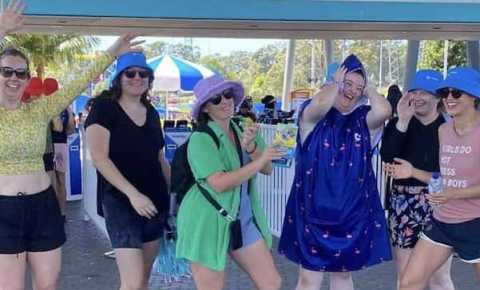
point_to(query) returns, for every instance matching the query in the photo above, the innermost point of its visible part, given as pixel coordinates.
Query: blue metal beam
(421, 11)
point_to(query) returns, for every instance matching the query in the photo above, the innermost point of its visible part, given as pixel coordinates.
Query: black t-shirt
(61, 137)
(419, 145)
(134, 151)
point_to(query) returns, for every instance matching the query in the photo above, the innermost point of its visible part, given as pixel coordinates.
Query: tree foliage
(432, 54)
(52, 51)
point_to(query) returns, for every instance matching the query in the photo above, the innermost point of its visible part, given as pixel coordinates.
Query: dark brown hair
(116, 90)
(12, 51)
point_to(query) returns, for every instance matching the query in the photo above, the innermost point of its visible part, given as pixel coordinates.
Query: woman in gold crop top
(31, 227)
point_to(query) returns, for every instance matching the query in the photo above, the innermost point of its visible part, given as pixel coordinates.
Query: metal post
(445, 58)
(412, 59)
(380, 69)
(288, 76)
(473, 54)
(328, 43)
(313, 79)
(390, 62)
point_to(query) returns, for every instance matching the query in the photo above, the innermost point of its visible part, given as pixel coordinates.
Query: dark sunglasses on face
(456, 93)
(8, 72)
(130, 74)
(228, 94)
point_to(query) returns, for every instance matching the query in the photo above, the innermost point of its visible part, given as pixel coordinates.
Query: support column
(473, 59)
(412, 60)
(288, 76)
(328, 51)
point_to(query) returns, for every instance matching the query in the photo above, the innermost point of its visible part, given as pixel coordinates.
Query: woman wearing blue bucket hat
(334, 221)
(413, 136)
(126, 143)
(455, 222)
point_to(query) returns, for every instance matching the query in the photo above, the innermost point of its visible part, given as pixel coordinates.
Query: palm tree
(51, 50)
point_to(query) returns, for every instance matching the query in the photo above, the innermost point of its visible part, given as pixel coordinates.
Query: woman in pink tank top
(455, 226)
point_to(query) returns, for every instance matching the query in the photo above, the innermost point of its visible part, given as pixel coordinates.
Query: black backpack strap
(209, 131)
(223, 212)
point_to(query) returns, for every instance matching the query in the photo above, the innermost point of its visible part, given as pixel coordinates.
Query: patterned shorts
(409, 214)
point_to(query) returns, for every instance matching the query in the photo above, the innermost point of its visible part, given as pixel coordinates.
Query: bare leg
(309, 280)
(341, 281)
(257, 261)
(45, 268)
(12, 271)
(130, 265)
(150, 251)
(207, 279)
(425, 259)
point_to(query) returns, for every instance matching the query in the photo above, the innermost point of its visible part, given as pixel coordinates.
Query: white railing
(274, 189)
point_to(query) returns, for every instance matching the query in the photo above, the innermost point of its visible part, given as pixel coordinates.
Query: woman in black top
(413, 136)
(126, 144)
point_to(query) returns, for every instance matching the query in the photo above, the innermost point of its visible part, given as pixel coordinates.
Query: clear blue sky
(207, 45)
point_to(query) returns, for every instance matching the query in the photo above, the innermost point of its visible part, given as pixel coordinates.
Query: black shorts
(126, 228)
(30, 223)
(48, 161)
(462, 238)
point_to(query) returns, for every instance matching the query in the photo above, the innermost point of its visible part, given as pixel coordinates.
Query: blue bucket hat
(428, 80)
(466, 79)
(353, 64)
(131, 59)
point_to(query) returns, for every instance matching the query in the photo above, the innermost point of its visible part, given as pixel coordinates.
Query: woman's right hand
(143, 205)
(11, 19)
(405, 109)
(269, 154)
(401, 169)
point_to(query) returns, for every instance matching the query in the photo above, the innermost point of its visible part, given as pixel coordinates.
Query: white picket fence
(274, 189)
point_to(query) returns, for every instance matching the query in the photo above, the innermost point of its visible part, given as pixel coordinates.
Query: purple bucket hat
(207, 88)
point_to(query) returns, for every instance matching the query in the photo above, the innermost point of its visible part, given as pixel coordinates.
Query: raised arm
(11, 19)
(381, 109)
(394, 137)
(324, 99)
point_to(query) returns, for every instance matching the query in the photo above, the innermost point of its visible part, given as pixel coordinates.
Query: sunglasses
(130, 74)
(456, 93)
(21, 73)
(228, 94)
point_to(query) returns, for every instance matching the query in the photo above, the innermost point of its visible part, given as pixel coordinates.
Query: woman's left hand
(124, 44)
(248, 137)
(440, 197)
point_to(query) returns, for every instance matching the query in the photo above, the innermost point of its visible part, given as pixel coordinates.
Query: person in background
(245, 110)
(334, 220)
(62, 126)
(269, 112)
(393, 96)
(413, 136)
(455, 222)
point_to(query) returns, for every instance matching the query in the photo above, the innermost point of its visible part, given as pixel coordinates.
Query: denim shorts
(126, 228)
(30, 223)
(462, 238)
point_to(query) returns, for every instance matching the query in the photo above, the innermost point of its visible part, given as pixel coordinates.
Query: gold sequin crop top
(23, 131)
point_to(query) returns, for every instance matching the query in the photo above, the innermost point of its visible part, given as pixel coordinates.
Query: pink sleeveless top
(460, 168)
